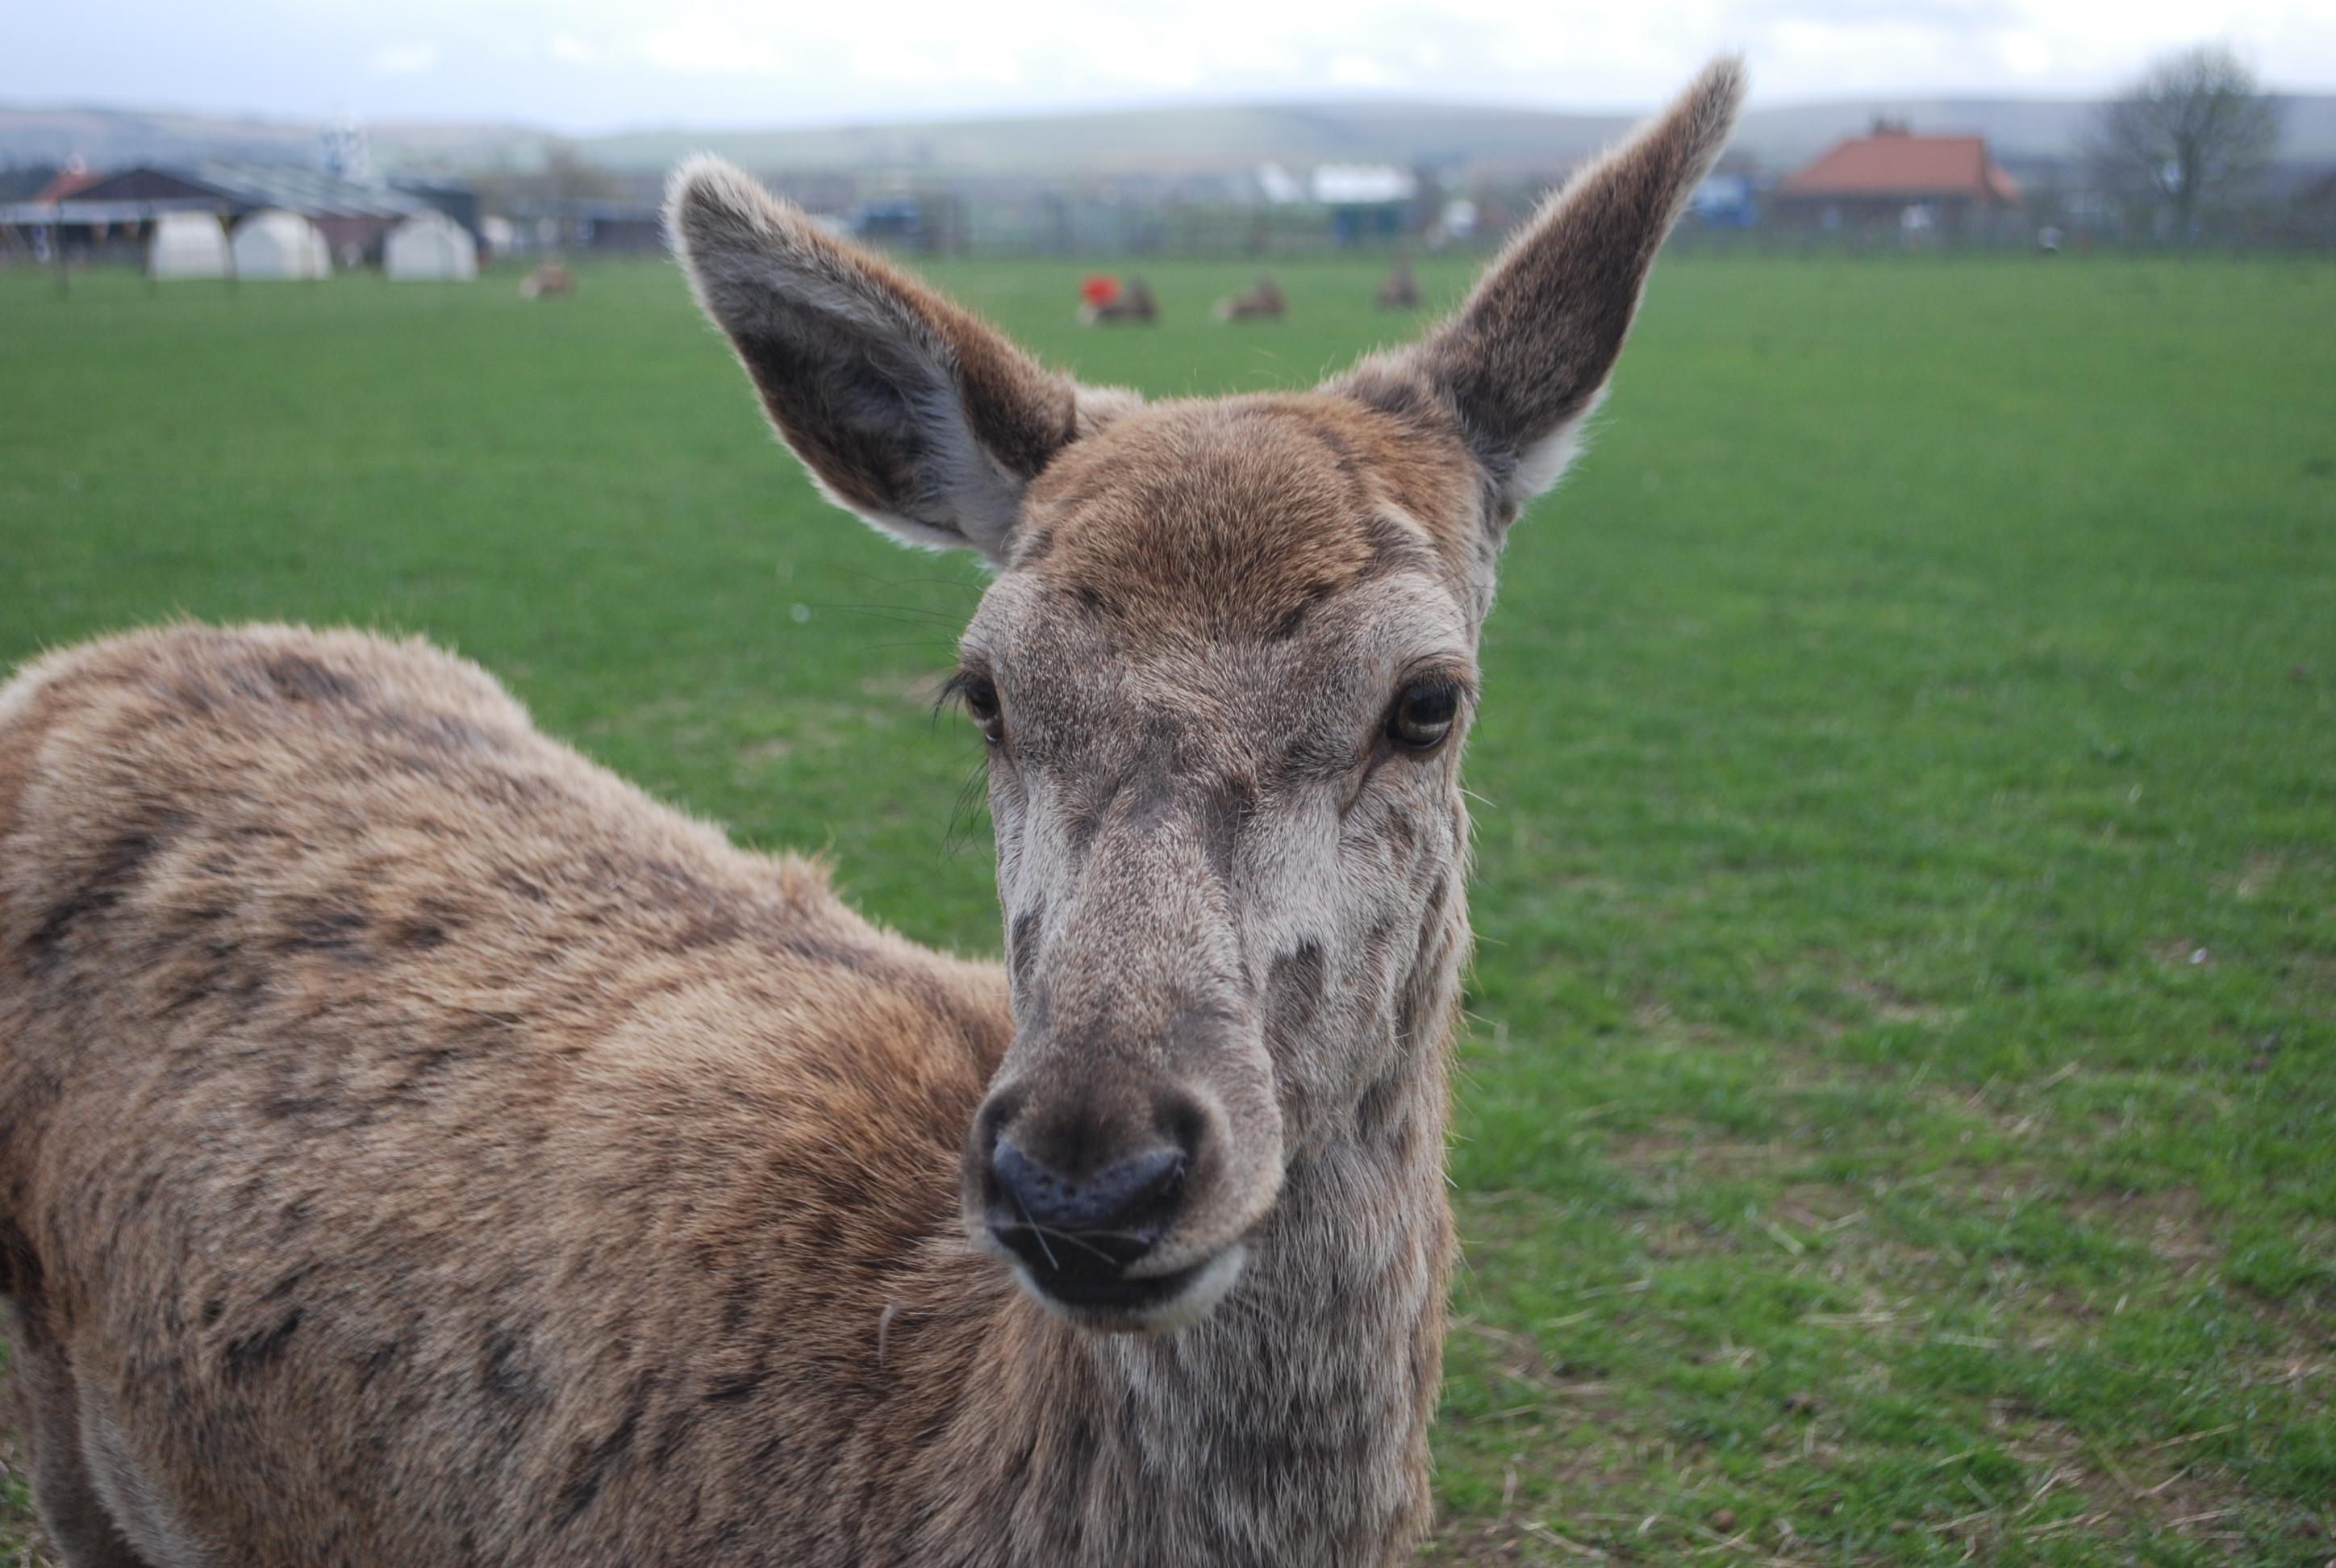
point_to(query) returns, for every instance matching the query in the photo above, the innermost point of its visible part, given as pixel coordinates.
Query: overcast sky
(587, 65)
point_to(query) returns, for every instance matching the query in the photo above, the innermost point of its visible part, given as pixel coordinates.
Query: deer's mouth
(1114, 1303)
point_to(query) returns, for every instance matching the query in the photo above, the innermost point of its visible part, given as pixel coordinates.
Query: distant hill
(107, 138)
(1206, 139)
(1179, 141)
(1182, 140)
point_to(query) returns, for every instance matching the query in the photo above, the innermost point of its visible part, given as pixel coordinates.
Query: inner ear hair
(906, 408)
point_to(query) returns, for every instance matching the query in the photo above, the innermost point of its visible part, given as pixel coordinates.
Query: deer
(1401, 291)
(551, 280)
(1131, 306)
(1260, 301)
(418, 1146)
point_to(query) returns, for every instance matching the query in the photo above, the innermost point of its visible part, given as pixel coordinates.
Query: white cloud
(744, 62)
(991, 60)
(403, 59)
(2025, 54)
(991, 63)
(709, 46)
(1142, 54)
(1352, 69)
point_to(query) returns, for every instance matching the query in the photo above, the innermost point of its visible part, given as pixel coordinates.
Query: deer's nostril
(1183, 1124)
(1105, 1198)
(1091, 1225)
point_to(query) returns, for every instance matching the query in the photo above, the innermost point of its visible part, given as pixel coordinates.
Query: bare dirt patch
(756, 756)
(1676, 1149)
(1889, 1004)
(2172, 1222)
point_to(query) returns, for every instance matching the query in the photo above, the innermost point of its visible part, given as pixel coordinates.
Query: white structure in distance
(187, 245)
(281, 244)
(430, 248)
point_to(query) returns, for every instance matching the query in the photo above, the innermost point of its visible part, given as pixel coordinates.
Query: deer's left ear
(1524, 362)
(910, 412)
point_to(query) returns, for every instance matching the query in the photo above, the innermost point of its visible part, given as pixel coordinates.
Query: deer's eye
(980, 694)
(1422, 714)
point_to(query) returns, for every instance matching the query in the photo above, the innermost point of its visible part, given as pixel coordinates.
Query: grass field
(1900, 1112)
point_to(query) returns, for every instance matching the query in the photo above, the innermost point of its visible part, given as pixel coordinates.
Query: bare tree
(2194, 133)
(570, 177)
(566, 179)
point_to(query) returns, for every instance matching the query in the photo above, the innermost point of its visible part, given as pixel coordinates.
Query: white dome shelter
(187, 245)
(281, 244)
(430, 248)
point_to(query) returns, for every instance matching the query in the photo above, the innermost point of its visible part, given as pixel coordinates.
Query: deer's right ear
(907, 410)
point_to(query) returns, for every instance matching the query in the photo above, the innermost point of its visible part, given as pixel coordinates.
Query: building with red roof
(1894, 180)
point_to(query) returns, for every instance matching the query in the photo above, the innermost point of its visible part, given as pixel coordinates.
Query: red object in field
(1099, 289)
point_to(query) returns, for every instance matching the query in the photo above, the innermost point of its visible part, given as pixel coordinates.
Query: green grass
(1900, 1115)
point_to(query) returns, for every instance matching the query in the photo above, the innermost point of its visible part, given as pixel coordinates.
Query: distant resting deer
(1260, 301)
(551, 280)
(417, 1147)
(1401, 289)
(1132, 303)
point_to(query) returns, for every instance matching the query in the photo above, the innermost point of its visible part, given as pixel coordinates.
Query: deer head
(1224, 674)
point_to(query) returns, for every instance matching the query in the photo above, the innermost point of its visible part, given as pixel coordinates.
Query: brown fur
(1141, 505)
(479, 1024)
(419, 1147)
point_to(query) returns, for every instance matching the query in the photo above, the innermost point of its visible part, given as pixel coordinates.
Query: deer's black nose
(1086, 1228)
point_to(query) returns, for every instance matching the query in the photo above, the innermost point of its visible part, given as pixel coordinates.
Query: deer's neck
(1295, 1418)
(1289, 1427)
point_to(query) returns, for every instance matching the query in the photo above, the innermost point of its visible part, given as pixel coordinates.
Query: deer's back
(370, 1065)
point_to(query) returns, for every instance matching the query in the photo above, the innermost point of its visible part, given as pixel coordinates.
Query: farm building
(70, 181)
(430, 248)
(1892, 180)
(281, 244)
(187, 245)
(619, 225)
(459, 202)
(115, 213)
(1367, 200)
(588, 223)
